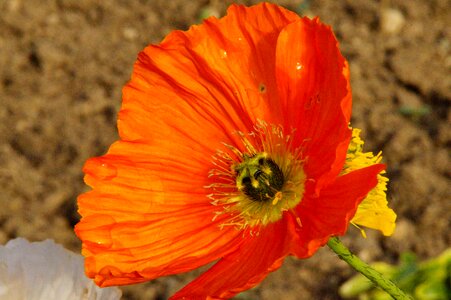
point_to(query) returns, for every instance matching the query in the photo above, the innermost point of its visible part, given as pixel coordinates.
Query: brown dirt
(63, 64)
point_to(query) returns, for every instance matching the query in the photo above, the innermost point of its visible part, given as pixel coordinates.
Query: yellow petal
(373, 211)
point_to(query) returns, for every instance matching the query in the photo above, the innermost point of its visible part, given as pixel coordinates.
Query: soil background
(63, 64)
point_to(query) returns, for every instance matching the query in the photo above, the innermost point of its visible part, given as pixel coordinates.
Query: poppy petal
(149, 215)
(241, 55)
(220, 73)
(313, 82)
(167, 97)
(329, 214)
(244, 268)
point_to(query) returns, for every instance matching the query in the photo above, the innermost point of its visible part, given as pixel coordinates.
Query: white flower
(46, 271)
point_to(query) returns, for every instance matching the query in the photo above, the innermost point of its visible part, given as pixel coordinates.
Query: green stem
(335, 244)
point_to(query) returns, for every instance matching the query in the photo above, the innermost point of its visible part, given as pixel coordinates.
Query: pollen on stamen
(277, 198)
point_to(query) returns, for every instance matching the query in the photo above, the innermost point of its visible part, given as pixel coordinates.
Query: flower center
(256, 186)
(259, 177)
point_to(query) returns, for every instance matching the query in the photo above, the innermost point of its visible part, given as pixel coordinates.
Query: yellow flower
(373, 211)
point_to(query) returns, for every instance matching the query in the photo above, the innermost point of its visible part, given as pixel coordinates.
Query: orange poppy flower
(233, 135)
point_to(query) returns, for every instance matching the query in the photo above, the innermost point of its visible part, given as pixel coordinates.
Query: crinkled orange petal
(244, 268)
(211, 81)
(148, 214)
(167, 98)
(238, 51)
(313, 83)
(329, 214)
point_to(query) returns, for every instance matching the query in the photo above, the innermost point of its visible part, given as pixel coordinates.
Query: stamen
(296, 217)
(277, 198)
(362, 231)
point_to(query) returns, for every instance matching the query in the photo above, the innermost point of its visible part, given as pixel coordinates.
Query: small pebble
(130, 33)
(392, 21)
